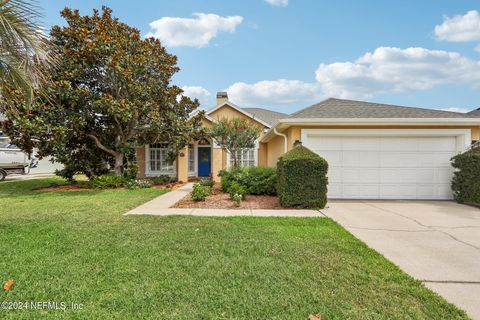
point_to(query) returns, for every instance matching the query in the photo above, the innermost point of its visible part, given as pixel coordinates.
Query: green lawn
(78, 247)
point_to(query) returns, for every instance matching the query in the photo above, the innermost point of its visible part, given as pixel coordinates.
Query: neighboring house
(374, 151)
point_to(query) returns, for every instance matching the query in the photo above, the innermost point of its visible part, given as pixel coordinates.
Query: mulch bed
(75, 187)
(221, 200)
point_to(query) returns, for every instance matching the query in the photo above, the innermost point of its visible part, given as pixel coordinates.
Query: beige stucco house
(375, 151)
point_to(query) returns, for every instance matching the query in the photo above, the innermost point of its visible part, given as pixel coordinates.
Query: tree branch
(101, 146)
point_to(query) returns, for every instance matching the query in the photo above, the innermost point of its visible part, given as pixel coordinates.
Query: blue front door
(204, 161)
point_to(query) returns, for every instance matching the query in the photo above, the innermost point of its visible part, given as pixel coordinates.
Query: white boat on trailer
(12, 161)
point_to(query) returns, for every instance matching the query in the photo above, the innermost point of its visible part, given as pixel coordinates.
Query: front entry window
(191, 158)
(246, 158)
(159, 158)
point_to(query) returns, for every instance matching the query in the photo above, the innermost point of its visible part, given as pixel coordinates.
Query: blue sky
(288, 54)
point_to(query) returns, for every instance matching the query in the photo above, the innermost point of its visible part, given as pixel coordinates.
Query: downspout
(284, 137)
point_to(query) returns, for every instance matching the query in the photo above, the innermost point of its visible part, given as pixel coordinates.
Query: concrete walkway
(160, 206)
(437, 242)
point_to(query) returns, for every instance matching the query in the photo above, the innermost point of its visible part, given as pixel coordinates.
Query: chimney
(222, 96)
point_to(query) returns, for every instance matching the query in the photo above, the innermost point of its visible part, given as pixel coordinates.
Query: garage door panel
(398, 175)
(334, 190)
(426, 191)
(359, 175)
(325, 143)
(361, 144)
(437, 144)
(396, 191)
(360, 191)
(334, 174)
(425, 175)
(387, 167)
(394, 159)
(426, 159)
(330, 156)
(360, 158)
(398, 144)
(442, 159)
(444, 191)
(443, 175)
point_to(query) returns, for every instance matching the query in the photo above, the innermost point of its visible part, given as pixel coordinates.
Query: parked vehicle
(12, 161)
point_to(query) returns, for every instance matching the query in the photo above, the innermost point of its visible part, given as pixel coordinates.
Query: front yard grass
(78, 247)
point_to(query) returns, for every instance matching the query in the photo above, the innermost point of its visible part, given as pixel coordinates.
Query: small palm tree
(23, 54)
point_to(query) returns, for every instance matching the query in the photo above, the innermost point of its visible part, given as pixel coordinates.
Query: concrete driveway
(437, 242)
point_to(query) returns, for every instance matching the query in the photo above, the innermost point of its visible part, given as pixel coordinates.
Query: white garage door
(386, 167)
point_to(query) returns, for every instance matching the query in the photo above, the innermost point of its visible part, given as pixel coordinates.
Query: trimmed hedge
(256, 180)
(466, 179)
(302, 179)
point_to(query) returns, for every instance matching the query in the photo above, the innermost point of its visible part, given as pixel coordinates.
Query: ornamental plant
(466, 178)
(235, 136)
(199, 192)
(302, 179)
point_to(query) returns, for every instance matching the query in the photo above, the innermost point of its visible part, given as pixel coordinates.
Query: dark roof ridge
(357, 109)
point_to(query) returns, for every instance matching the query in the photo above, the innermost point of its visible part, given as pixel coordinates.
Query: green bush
(256, 180)
(107, 181)
(236, 190)
(302, 180)
(466, 179)
(227, 177)
(200, 193)
(206, 182)
(238, 199)
(163, 179)
(131, 171)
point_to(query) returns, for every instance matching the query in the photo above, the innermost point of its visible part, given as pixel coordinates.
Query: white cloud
(197, 92)
(384, 70)
(277, 3)
(390, 69)
(194, 32)
(460, 28)
(276, 92)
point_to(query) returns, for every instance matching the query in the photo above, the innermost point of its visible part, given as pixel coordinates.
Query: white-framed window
(191, 158)
(246, 158)
(158, 159)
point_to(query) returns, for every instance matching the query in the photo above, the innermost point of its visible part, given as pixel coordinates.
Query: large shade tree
(110, 93)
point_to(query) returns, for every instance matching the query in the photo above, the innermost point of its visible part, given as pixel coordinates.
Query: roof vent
(297, 143)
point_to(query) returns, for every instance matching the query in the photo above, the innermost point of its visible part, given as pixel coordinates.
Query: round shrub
(466, 179)
(302, 179)
(236, 190)
(206, 182)
(199, 192)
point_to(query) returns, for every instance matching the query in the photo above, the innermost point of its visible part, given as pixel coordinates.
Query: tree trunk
(235, 160)
(118, 164)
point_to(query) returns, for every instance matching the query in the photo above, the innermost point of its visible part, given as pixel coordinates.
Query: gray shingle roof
(339, 108)
(475, 113)
(268, 116)
(2, 117)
